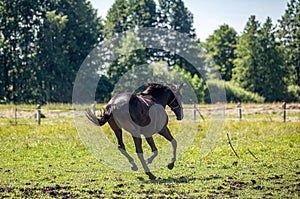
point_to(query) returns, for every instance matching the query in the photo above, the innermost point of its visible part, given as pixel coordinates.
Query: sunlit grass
(50, 161)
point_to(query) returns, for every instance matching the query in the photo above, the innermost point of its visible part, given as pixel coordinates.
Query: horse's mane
(155, 86)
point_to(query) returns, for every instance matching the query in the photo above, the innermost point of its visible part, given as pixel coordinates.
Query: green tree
(272, 66)
(3, 73)
(19, 25)
(246, 71)
(43, 44)
(289, 31)
(220, 47)
(117, 19)
(143, 13)
(131, 15)
(53, 63)
(132, 54)
(71, 31)
(127, 16)
(259, 66)
(175, 16)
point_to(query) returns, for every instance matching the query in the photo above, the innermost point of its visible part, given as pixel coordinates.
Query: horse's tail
(99, 121)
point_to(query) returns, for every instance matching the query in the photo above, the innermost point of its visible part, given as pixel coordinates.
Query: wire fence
(33, 115)
(195, 113)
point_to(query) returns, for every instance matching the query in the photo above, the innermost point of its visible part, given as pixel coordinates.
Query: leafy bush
(293, 93)
(234, 93)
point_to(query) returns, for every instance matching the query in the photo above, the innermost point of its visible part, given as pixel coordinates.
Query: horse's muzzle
(179, 117)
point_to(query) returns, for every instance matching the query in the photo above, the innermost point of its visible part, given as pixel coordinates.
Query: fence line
(32, 115)
(237, 112)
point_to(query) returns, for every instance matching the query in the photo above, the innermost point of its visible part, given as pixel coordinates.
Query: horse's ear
(148, 82)
(173, 87)
(180, 86)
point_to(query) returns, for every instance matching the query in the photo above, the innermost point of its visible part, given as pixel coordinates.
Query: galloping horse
(142, 114)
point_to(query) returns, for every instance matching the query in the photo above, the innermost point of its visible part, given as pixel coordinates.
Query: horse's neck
(158, 98)
(148, 101)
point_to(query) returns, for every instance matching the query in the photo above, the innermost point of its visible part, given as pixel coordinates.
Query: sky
(209, 15)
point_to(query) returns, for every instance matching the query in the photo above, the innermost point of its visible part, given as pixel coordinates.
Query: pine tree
(272, 68)
(246, 71)
(289, 34)
(259, 66)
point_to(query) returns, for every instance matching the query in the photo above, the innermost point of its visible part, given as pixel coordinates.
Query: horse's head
(175, 101)
(167, 94)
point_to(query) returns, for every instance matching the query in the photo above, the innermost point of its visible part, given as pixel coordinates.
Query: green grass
(50, 161)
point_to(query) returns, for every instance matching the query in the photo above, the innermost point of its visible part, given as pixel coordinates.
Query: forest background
(44, 42)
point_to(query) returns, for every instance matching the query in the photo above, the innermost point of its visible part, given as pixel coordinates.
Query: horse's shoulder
(134, 99)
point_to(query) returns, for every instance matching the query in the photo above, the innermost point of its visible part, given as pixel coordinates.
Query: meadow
(50, 161)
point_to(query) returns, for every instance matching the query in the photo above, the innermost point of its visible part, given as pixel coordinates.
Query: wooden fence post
(239, 106)
(284, 111)
(38, 114)
(194, 111)
(93, 108)
(15, 115)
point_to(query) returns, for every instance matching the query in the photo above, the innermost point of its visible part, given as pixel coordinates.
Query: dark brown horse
(142, 114)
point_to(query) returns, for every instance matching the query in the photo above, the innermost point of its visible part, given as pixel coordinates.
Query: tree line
(44, 42)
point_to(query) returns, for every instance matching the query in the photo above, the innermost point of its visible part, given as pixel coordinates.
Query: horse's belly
(158, 117)
(159, 120)
(124, 121)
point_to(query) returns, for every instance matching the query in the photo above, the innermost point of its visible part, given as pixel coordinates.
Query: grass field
(50, 161)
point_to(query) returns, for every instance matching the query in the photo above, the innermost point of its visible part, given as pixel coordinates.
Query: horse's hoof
(134, 168)
(171, 165)
(148, 161)
(151, 176)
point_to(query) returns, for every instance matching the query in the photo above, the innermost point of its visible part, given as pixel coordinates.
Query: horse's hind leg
(153, 148)
(121, 146)
(166, 133)
(139, 151)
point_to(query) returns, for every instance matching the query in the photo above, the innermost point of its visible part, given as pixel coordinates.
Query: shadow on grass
(181, 179)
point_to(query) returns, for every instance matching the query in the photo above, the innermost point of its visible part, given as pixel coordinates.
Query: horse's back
(120, 100)
(137, 116)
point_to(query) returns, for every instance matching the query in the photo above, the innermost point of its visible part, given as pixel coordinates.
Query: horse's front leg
(153, 148)
(174, 146)
(139, 151)
(165, 132)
